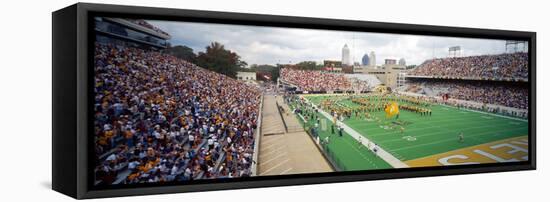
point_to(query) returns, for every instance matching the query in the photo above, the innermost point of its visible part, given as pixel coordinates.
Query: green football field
(423, 135)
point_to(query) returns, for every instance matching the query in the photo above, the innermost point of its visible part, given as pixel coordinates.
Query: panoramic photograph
(184, 101)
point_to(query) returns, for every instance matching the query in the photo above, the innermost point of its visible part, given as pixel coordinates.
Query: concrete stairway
(271, 120)
(289, 118)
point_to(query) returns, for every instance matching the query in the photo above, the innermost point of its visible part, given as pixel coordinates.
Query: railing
(297, 128)
(328, 154)
(257, 136)
(279, 107)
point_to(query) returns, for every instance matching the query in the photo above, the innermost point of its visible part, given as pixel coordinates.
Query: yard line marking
(445, 140)
(362, 155)
(424, 128)
(437, 133)
(383, 154)
(464, 116)
(461, 118)
(497, 115)
(465, 119)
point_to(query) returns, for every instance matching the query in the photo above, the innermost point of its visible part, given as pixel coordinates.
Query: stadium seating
(160, 119)
(511, 67)
(311, 80)
(505, 94)
(491, 79)
(363, 81)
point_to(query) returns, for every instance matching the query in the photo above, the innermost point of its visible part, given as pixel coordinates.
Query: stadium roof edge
(138, 27)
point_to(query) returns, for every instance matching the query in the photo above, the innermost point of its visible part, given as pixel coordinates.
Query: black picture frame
(72, 73)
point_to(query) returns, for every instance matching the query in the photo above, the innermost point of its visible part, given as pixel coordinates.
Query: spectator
(165, 119)
(309, 80)
(508, 66)
(497, 93)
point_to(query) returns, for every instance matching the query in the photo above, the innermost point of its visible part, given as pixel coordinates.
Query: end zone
(507, 150)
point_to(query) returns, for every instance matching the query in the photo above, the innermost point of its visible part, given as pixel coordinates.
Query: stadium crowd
(310, 80)
(160, 119)
(508, 66)
(509, 95)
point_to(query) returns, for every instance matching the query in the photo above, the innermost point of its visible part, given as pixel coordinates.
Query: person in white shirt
(210, 143)
(132, 165)
(187, 174)
(216, 144)
(174, 170)
(228, 140)
(156, 134)
(173, 134)
(111, 157)
(191, 138)
(182, 130)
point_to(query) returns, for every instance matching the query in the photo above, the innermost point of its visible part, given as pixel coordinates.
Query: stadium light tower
(455, 51)
(514, 46)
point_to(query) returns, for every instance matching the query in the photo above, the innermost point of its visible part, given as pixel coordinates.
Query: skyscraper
(372, 59)
(365, 60)
(345, 56)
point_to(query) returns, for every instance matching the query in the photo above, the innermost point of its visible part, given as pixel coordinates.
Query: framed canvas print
(157, 100)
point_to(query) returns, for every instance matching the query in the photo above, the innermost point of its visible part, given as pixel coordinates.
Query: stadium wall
(496, 108)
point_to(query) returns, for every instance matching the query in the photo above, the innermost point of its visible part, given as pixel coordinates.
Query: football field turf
(345, 151)
(423, 136)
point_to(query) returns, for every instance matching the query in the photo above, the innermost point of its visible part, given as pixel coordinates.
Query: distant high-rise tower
(345, 56)
(365, 60)
(402, 62)
(372, 59)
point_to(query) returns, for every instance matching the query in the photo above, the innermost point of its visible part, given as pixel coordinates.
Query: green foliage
(307, 65)
(273, 70)
(221, 60)
(182, 52)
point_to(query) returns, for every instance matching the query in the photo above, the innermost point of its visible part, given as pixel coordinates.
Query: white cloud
(271, 45)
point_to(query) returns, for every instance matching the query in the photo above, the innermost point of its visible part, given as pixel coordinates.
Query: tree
(265, 70)
(307, 65)
(218, 59)
(182, 52)
(274, 73)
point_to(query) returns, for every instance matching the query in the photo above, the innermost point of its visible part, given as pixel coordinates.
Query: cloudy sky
(272, 45)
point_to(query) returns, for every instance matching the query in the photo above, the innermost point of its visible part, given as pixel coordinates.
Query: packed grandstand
(315, 80)
(505, 94)
(508, 66)
(160, 119)
(488, 79)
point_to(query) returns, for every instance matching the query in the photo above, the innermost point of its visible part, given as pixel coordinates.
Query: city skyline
(276, 45)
